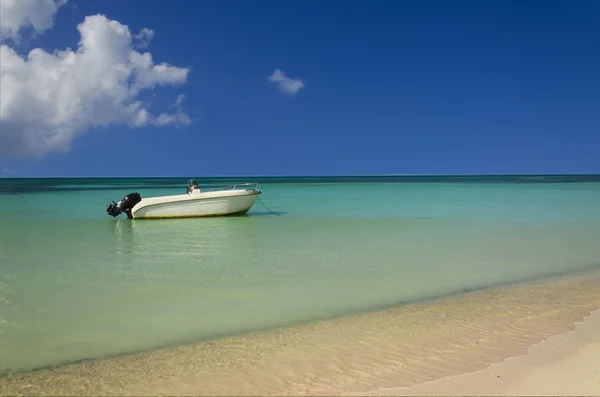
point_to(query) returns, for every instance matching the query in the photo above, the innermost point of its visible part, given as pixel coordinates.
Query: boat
(220, 201)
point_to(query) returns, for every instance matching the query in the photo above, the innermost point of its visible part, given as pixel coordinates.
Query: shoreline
(563, 364)
(549, 279)
(378, 352)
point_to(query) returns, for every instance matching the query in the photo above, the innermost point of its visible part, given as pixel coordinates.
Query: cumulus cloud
(286, 85)
(47, 99)
(35, 14)
(142, 39)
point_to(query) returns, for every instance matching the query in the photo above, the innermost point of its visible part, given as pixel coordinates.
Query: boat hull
(192, 206)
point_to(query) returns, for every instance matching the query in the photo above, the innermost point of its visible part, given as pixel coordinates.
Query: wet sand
(373, 353)
(566, 365)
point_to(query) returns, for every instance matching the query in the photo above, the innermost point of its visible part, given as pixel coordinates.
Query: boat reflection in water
(177, 241)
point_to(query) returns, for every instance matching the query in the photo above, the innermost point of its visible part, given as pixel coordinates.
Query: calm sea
(77, 284)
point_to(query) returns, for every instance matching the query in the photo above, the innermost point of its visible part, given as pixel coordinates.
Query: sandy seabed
(526, 339)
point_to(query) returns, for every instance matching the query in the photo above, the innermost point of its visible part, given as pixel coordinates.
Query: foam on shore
(398, 347)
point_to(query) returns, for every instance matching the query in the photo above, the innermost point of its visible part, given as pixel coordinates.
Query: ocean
(77, 284)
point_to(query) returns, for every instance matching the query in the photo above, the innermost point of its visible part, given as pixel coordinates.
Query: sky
(234, 88)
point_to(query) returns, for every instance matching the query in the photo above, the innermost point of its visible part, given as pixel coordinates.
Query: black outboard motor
(125, 205)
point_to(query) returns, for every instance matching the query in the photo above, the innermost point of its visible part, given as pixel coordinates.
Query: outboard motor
(125, 205)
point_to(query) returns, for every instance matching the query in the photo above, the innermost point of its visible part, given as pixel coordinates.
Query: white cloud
(179, 117)
(35, 14)
(47, 99)
(143, 38)
(286, 84)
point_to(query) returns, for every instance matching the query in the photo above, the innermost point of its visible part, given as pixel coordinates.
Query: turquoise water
(77, 284)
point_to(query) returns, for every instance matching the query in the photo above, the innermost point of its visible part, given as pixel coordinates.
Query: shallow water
(77, 284)
(369, 352)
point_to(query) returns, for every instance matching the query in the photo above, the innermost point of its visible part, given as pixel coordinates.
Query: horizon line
(299, 176)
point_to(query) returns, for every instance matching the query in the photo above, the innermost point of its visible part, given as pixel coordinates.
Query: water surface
(78, 284)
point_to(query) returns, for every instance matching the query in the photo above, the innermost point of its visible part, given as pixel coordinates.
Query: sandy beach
(526, 339)
(566, 364)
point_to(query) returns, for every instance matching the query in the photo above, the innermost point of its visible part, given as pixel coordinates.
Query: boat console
(192, 187)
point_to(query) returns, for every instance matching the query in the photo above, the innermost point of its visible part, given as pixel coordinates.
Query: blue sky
(389, 87)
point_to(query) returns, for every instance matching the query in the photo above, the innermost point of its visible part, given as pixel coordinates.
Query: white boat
(228, 200)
